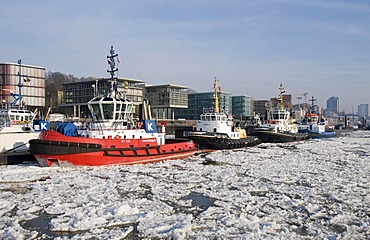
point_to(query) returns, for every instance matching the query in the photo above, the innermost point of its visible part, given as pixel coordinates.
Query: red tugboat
(114, 137)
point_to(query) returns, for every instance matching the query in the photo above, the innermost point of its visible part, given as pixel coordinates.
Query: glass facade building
(76, 95)
(332, 104)
(198, 101)
(166, 99)
(363, 110)
(242, 107)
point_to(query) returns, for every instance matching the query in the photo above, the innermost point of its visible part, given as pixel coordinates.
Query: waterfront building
(77, 94)
(287, 102)
(242, 107)
(32, 82)
(198, 101)
(260, 107)
(363, 110)
(332, 104)
(166, 99)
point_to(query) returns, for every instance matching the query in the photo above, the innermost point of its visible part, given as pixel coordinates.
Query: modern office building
(332, 104)
(242, 107)
(363, 110)
(166, 99)
(77, 94)
(287, 102)
(30, 80)
(198, 101)
(260, 107)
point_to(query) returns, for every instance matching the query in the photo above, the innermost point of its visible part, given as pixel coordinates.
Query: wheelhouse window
(108, 111)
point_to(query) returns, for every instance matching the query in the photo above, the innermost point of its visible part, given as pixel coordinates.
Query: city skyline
(319, 47)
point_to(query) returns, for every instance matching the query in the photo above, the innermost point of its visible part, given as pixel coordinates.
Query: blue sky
(315, 46)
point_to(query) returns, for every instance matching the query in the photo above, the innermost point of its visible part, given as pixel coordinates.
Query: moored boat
(216, 130)
(18, 125)
(279, 127)
(315, 127)
(114, 137)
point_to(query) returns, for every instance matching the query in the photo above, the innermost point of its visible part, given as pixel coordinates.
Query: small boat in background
(216, 130)
(18, 125)
(279, 127)
(315, 127)
(114, 137)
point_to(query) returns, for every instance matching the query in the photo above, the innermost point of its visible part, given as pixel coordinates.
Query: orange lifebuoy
(117, 136)
(139, 124)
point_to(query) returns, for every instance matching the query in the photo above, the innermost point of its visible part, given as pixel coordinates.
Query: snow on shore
(304, 190)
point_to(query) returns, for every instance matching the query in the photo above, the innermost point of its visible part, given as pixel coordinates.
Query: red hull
(53, 148)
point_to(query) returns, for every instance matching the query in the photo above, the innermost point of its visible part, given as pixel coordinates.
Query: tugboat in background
(114, 137)
(314, 125)
(18, 125)
(216, 130)
(279, 127)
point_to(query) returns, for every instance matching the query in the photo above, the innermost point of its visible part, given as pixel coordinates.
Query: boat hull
(321, 135)
(55, 149)
(279, 137)
(16, 142)
(205, 141)
(14, 147)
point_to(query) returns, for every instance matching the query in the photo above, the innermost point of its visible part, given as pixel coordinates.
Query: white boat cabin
(113, 118)
(280, 120)
(312, 123)
(16, 120)
(214, 122)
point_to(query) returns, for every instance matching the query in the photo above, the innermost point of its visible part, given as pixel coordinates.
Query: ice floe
(313, 189)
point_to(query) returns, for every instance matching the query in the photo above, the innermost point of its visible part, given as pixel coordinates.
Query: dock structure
(9, 158)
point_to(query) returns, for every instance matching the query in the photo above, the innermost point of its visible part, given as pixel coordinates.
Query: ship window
(95, 110)
(108, 111)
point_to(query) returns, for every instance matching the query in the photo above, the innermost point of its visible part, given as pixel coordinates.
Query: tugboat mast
(20, 84)
(112, 63)
(18, 97)
(282, 91)
(313, 101)
(215, 95)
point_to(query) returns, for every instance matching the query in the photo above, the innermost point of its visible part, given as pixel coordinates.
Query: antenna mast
(282, 90)
(215, 94)
(112, 64)
(18, 97)
(313, 101)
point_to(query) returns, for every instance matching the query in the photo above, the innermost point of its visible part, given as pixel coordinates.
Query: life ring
(14, 122)
(222, 140)
(216, 139)
(117, 136)
(139, 124)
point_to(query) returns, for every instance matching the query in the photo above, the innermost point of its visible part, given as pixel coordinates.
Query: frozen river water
(305, 190)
